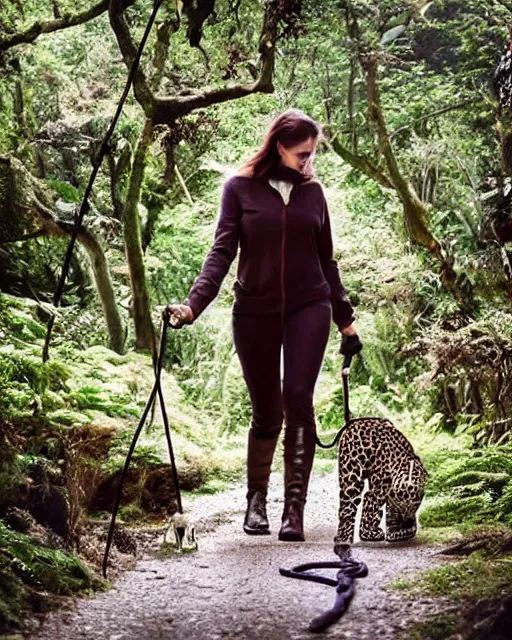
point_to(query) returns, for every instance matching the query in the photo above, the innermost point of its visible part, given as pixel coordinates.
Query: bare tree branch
(183, 184)
(433, 114)
(235, 6)
(362, 164)
(350, 104)
(30, 236)
(161, 50)
(49, 26)
(168, 109)
(141, 89)
(56, 9)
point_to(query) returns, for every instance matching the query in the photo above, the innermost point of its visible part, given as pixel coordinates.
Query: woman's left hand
(350, 343)
(179, 314)
(349, 331)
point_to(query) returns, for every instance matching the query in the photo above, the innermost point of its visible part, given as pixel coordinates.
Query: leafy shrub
(29, 571)
(449, 511)
(98, 399)
(469, 487)
(65, 190)
(24, 379)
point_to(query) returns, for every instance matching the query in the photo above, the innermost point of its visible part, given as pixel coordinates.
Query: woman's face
(299, 157)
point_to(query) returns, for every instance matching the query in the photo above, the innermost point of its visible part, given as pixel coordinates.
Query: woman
(287, 290)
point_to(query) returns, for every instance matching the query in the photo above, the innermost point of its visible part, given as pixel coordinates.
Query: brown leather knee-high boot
(260, 452)
(299, 451)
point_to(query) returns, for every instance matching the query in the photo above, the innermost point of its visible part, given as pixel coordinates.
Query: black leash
(348, 570)
(345, 370)
(156, 390)
(84, 206)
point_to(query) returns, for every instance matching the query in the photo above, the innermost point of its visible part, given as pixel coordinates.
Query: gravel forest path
(231, 587)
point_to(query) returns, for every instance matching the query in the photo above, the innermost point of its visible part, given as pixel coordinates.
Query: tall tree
(166, 110)
(27, 211)
(388, 172)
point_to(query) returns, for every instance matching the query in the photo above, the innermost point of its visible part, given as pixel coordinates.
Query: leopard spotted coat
(374, 449)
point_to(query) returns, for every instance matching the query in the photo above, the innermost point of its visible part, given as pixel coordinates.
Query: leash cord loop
(349, 570)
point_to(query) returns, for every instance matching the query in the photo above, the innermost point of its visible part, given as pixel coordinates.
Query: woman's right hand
(179, 314)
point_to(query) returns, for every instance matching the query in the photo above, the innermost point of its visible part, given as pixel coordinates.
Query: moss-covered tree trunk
(166, 110)
(144, 331)
(101, 273)
(388, 173)
(415, 211)
(25, 212)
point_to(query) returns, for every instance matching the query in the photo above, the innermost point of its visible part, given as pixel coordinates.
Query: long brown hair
(289, 128)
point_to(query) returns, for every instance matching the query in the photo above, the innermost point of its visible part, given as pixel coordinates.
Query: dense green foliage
(24, 563)
(470, 487)
(481, 582)
(437, 354)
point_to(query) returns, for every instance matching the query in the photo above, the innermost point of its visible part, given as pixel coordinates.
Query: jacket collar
(280, 172)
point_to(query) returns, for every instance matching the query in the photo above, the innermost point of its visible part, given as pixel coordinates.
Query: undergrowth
(479, 589)
(478, 576)
(469, 487)
(30, 573)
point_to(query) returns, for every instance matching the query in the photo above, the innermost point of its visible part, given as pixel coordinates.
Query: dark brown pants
(258, 340)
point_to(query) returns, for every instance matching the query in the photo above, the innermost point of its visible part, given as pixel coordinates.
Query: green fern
(451, 510)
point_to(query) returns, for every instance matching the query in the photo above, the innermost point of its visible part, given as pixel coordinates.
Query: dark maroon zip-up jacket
(286, 253)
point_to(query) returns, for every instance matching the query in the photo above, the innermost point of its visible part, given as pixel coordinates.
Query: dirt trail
(231, 587)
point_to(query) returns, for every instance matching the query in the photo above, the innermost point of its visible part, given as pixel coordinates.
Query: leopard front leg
(403, 502)
(351, 487)
(398, 526)
(373, 502)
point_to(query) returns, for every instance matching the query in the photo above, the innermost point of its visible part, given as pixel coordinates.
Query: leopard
(374, 449)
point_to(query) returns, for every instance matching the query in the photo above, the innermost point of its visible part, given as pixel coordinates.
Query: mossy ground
(76, 415)
(92, 391)
(480, 587)
(32, 575)
(473, 578)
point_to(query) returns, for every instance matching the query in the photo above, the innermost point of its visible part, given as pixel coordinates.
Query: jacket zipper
(283, 249)
(283, 252)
